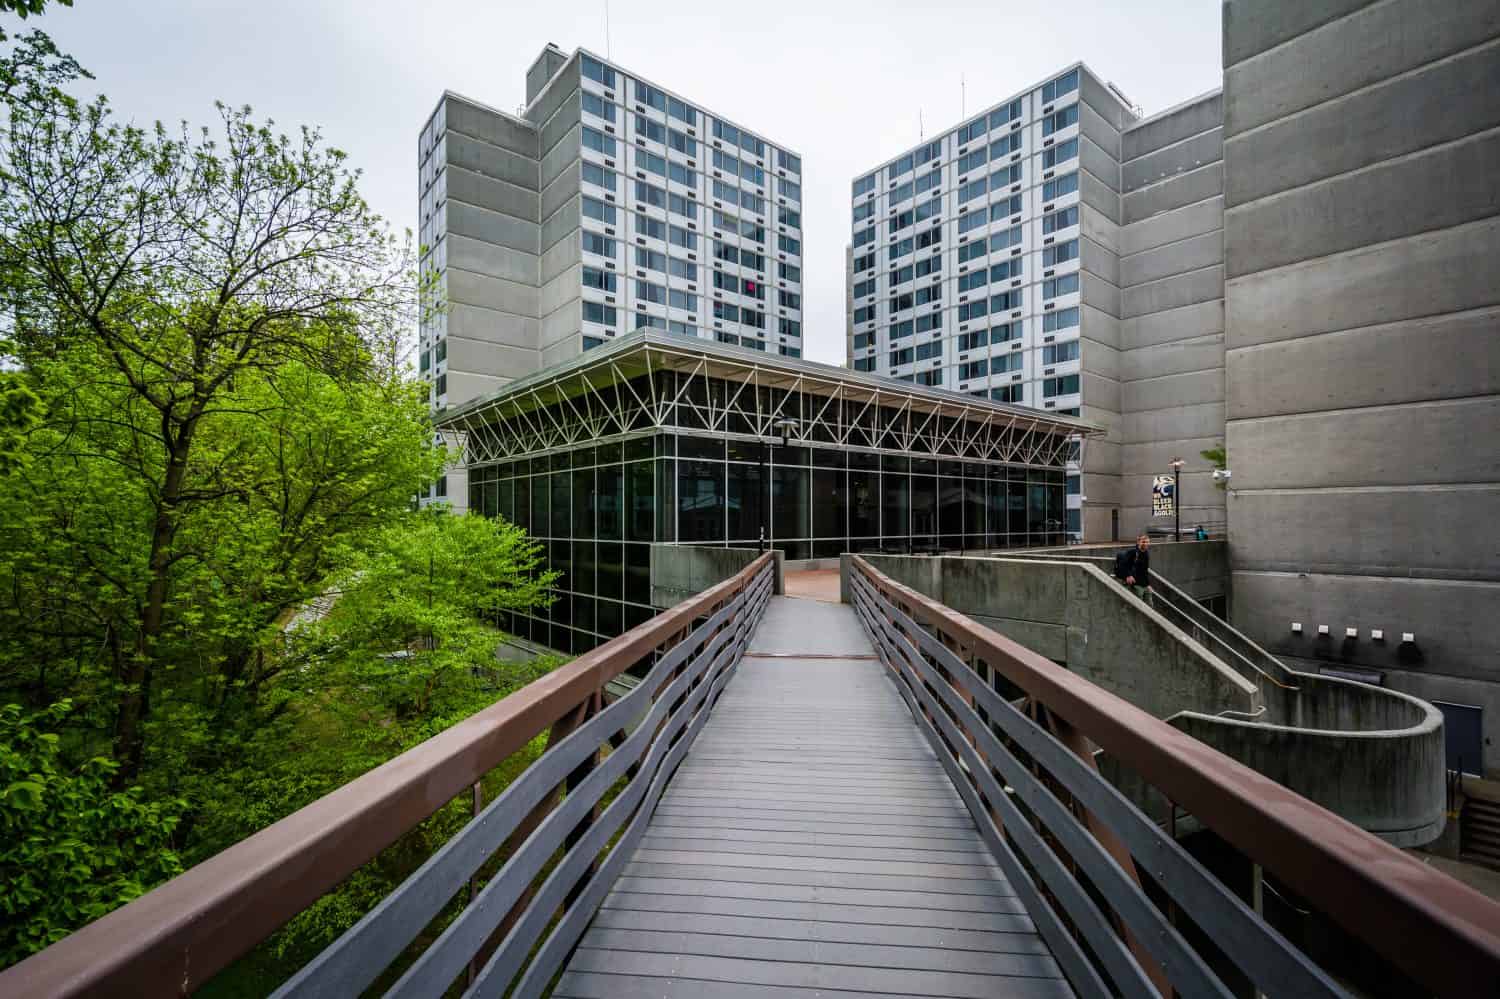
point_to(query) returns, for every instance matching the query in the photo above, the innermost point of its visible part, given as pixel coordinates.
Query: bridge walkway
(811, 841)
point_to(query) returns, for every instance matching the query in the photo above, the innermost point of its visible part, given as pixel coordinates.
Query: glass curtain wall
(597, 510)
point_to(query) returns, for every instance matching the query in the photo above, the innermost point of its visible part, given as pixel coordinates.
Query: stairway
(1479, 839)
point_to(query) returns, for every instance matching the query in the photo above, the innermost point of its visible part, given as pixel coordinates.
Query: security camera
(1221, 475)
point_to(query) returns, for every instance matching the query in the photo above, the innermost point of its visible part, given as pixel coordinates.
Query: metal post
(1177, 501)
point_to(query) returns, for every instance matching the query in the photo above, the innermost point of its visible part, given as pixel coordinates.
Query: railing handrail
(177, 936)
(1442, 933)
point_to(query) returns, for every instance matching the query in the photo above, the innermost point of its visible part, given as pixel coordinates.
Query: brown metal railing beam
(1440, 932)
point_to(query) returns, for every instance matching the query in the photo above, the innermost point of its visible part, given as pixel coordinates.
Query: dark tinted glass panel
(995, 503)
(973, 506)
(583, 567)
(747, 498)
(950, 505)
(700, 447)
(789, 510)
(923, 506)
(747, 451)
(823, 457)
(861, 459)
(700, 500)
(585, 503)
(894, 463)
(829, 503)
(583, 613)
(638, 571)
(923, 466)
(540, 520)
(609, 618)
(608, 453)
(561, 559)
(611, 500)
(895, 505)
(636, 614)
(640, 501)
(1036, 509)
(1016, 500)
(562, 610)
(864, 504)
(562, 506)
(491, 499)
(523, 503)
(789, 456)
(638, 448)
(507, 507)
(611, 570)
(666, 505)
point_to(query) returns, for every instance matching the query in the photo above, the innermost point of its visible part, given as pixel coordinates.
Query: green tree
(18, 414)
(208, 449)
(71, 849)
(401, 646)
(169, 270)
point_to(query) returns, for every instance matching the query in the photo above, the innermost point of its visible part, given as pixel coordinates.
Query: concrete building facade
(1362, 301)
(1302, 265)
(606, 204)
(985, 261)
(1171, 347)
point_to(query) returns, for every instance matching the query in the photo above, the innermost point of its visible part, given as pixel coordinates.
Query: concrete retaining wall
(1073, 613)
(1198, 568)
(682, 571)
(1369, 754)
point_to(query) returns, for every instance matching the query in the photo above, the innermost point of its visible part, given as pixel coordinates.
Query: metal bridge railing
(1125, 908)
(565, 826)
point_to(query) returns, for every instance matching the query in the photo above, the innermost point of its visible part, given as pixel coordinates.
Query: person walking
(1133, 566)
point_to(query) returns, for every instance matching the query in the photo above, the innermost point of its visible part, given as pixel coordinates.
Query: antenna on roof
(963, 97)
(921, 131)
(607, 54)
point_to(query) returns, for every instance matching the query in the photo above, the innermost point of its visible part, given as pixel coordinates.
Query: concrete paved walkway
(811, 845)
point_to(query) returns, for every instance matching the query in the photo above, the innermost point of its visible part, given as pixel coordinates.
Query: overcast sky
(841, 82)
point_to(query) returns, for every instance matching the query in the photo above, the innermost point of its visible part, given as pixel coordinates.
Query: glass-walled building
(662, 440)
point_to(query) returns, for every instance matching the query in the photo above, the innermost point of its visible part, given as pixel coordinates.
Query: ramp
(811, 841)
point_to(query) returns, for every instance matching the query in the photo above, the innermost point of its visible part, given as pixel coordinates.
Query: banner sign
(1163, 496)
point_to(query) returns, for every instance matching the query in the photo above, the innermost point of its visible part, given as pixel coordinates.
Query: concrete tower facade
(606, 204)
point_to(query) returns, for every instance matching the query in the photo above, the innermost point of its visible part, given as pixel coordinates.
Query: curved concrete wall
(1370, 755)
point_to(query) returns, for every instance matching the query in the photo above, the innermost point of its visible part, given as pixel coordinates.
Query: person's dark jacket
(1133, 562)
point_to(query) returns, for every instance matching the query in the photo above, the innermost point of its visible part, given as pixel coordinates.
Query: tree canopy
(217, 600)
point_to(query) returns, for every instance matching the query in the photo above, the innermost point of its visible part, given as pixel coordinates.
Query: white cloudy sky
(841, 82)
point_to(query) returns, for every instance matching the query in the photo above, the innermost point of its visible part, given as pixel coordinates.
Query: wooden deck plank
(811, 843)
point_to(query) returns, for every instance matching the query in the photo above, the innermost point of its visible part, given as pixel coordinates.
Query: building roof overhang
(647, 351)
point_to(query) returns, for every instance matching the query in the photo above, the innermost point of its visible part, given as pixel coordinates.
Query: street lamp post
(1177, 464)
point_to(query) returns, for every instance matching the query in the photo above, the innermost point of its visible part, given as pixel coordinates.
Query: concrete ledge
(682, 571)
(1371, 755)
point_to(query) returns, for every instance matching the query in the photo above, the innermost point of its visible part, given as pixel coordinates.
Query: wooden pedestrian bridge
(753, 795)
